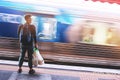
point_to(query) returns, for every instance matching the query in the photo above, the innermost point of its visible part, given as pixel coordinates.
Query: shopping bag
(37, 58)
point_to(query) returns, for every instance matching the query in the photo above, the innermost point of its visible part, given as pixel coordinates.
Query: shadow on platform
(10, 75)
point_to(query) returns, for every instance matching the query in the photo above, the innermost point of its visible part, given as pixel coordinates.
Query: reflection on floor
(56, 72)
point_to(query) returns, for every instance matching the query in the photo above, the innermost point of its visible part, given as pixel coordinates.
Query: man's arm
(19, 29)
(34, 36)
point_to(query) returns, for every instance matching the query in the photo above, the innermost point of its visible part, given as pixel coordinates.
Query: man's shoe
(32, 71)
(19, 70)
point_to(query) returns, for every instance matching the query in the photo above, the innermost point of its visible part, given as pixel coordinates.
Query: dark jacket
(32, 31)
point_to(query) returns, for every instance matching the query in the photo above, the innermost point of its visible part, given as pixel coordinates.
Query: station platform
(8, 71)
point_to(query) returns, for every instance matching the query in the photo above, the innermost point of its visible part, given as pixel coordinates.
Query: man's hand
(36, 45)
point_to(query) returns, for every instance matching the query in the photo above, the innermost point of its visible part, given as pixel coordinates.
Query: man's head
(28, 18)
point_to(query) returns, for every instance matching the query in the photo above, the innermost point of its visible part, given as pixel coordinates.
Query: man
(27, 39)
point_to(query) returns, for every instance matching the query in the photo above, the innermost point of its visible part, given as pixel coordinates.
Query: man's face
(29, 20)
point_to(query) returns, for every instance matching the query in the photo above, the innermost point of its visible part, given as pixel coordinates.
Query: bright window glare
(46, 29)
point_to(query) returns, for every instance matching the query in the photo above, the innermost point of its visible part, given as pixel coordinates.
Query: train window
(10, 18)
(48, 29)
(95, 32)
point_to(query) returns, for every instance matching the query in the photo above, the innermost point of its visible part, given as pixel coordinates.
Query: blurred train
(60, 24)
(86, 29)
(46, 25)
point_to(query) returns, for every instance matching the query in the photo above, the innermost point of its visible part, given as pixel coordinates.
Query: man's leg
(21, 58)
(30, 57)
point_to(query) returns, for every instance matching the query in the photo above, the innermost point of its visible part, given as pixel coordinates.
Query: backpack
(25, 34)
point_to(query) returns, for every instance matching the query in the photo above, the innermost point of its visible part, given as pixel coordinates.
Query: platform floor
(57, 72)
